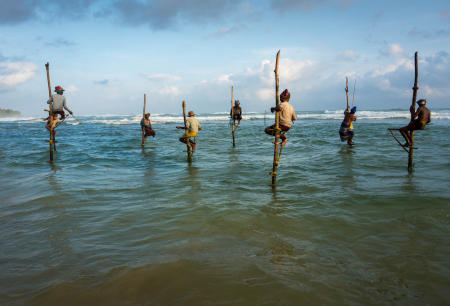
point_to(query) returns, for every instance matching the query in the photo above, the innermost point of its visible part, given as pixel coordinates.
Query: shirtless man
(236, 113)
(146, 127)
(423, 116)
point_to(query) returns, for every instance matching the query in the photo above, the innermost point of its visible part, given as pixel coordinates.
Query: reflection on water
(111, 222)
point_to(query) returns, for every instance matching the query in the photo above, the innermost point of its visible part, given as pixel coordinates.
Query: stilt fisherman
(421, 118)
(192, 128)
(346, 131)
(58, 103)
(146, 127)
(236, 113)
(287, 116)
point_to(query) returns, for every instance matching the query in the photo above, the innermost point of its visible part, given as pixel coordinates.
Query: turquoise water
(112, 223)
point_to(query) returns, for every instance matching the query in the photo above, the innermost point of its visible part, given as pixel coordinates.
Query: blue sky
(107, 54)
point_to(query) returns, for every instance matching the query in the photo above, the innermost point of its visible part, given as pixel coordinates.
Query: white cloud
(172, 91)
(161, 77)
(383, 69)
(15, 73)
(394, 50)
(348, 55)
(71, 88)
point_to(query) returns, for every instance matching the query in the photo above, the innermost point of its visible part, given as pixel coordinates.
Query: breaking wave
(224, 116)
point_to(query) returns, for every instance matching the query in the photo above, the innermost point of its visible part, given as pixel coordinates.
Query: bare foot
(284, 142)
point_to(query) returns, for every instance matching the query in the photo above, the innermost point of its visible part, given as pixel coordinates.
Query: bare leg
(284, 139)
(405, 134)
(269, 131)
(194, 145)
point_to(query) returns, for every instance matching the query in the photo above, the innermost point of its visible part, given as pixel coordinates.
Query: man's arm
(273, 109)
(65, 106)
(50, 100)
(416, 114)
(294, 115)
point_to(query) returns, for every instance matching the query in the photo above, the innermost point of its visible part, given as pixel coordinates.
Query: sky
(108, 53)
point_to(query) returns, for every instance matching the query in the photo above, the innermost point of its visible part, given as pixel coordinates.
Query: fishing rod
(76, 119)
(354, 89)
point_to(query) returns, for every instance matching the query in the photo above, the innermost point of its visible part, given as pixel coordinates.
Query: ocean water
(112, 223)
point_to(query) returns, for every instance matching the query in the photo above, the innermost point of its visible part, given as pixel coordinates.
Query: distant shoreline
(9, 113)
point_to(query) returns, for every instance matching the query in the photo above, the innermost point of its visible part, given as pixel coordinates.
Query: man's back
(192, 124)
(287, 114)
(423, 114)
(59, 102)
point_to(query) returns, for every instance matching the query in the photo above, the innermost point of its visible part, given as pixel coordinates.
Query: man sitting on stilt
(346, 131)
(146, 127)
(287, 116)
(236, 113)
(423, 116)
(58, 103)
(192, 128)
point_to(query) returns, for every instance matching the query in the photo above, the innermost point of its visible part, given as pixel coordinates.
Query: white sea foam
(224, 117)
(21, 119)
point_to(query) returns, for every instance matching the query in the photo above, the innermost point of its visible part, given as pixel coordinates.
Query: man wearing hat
(346, 131)
(236, 113)
(287, 115)
(58, 103)
(192, 128)
(423, 116)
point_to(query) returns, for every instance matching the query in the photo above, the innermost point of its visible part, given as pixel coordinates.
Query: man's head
(353, 110)
(285, 96)
(147, 115)
(236, 102)
(422, 102)
(191, 114)
(59, 90)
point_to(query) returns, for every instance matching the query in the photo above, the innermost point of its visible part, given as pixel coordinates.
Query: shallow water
(112, 223)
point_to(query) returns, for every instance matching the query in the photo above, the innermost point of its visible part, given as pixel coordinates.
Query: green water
(114, 224)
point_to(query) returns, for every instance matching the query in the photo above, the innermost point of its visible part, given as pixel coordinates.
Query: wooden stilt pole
(232, 117)
(188, 144)
(50, 112)
(276, 159)
(143, 117)
(413, 108)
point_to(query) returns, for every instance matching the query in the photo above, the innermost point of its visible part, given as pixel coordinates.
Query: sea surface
(112, 223)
